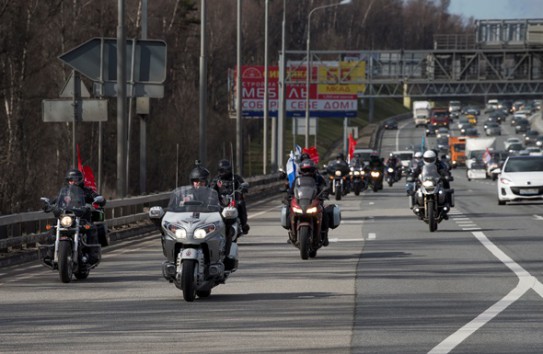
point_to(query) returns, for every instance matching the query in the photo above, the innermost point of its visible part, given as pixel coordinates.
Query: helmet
(307, 167)
(340, 156)
(199, 173)
(304, 156)
(74, 175)
(225, 168)
(357, 156)
(418, 155)
(429, 157)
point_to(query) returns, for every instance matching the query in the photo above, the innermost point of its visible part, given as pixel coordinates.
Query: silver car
(493, 129)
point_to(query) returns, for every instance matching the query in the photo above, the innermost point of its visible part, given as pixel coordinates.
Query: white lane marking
(471, 228)
(345, 239)
(372, 236)
(526, 282)
(538, 217)
(457, 219)
(352, 222)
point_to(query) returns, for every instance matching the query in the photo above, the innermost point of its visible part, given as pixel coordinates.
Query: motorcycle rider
(430, 158)
(199, 178)
(340, 164)
(75, 177)
(225, 183)
(394, 162)
(356, 161)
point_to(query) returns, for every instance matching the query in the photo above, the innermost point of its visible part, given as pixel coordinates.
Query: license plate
(529, 191)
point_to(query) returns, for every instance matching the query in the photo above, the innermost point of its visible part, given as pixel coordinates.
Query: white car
(521, 178)
(510, 141)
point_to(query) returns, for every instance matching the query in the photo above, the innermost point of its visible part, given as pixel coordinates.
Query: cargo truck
(421, 112)
(457, 150)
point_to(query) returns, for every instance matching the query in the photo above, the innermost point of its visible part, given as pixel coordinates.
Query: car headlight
(312, 210)
(204, 231)
(338, 173)
(505, 181)
(66, 221)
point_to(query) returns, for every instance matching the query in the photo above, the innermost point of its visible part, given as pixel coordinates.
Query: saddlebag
(285, 220)
(101, 230)
(334, 215)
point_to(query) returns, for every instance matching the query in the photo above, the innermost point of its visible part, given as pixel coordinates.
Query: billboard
(330, 94)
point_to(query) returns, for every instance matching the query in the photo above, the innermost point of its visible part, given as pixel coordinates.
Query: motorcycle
(393, 174)
(305, 216)
(358, 179)
(71, 252)
(375, 178)
(339, 184)
(431, 202)
(195, 234)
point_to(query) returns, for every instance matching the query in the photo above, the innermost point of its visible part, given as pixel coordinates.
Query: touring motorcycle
(431, 202)
(71, 254)
(306, 218)
(198, 239)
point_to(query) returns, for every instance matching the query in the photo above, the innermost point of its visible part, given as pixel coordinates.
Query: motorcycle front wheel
(432, 222)
(338, 193)
(65, 261)
(187, 280)
(357, 189)
(303, 239)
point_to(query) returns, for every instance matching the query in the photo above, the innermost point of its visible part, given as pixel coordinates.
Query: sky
(497, 9)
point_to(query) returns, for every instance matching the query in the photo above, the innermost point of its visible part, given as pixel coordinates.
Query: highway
(385, 284)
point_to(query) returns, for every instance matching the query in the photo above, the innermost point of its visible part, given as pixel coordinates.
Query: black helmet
(304, 156)
(307, 167)
(199, 173)
(74, 175)
(225, 168)
(340, 156)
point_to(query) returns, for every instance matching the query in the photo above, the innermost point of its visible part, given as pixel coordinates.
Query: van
(440, 117)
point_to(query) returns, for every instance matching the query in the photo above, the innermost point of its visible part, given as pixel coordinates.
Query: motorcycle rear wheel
(303, 239)
(187, 280)
(65, 261)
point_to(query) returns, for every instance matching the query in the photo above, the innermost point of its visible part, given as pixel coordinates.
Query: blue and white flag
(298, 152)
(291, 169)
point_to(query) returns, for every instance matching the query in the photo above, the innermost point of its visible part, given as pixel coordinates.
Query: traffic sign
(97, 60)
(62, 110)
(68, 90)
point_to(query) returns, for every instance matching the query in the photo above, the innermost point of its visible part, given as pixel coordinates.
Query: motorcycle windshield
(305, 188)
(429, 172)
(71, 198)
(194, 200)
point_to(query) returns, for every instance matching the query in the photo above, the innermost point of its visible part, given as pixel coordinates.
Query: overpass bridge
(502, 58)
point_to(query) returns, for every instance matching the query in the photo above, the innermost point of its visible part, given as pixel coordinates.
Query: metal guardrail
(23, 231)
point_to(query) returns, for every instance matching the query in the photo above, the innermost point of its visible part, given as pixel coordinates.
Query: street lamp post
(308, 73)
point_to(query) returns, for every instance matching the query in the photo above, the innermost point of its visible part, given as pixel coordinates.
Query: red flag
(352, 145)
(88, 175)
(312, 152)
(486, 156)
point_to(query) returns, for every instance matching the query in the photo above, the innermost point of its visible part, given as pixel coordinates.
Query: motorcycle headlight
(66, 221)
(181, 233)
(338, 173)
(390, 170)
(312, 210)
(204, 231)
(297, 210)
(428, 184)
(375, 174)
(357, 173)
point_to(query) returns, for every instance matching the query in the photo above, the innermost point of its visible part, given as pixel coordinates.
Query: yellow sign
(344, 77)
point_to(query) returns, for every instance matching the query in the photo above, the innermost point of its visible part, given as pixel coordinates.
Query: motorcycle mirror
(100, 200)
(156, 212)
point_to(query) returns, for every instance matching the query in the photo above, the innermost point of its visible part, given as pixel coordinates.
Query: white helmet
(418, 155)
(429, 157)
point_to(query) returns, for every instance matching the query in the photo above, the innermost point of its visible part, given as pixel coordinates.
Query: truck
(476, 147)
(440, 117)
(457, 150)
(421, 112)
